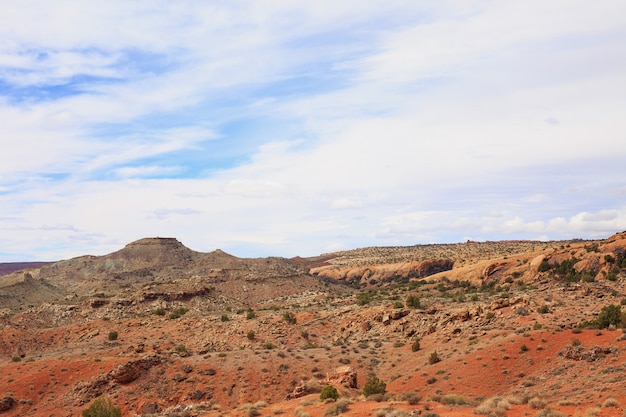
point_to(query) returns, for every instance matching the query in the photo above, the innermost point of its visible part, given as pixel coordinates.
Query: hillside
(164, 331)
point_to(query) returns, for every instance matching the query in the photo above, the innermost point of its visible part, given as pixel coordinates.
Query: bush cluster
(102, 407)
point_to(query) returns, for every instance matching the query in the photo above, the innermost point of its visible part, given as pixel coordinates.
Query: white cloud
(295, 128)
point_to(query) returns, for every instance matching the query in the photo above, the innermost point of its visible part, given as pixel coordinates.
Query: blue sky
(265, 128)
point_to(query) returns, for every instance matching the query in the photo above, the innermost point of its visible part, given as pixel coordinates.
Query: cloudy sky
(298, 128)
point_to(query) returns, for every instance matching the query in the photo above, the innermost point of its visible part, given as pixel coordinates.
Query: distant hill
(9, 267)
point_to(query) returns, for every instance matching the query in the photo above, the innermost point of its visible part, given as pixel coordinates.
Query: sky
(274, 128)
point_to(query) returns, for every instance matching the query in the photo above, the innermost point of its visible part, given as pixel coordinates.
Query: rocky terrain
(493, 328)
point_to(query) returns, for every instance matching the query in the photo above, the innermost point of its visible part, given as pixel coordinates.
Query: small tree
(374, 386)
(413, 301)
(609, 315)
(329, 392)
(102, 407)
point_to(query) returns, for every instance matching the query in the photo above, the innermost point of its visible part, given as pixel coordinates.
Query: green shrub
(112, 335)
(523, 348)
(543, 309)
(289, 317)
(251, 334)
(398, 304)
(374, 386)
(224, 317)
(329, 392)
(363, 298)
(178, 313)
(415, 346)
(250, 314)
(159, 311)
(434, 358)
(16, 359)
(102, 407)
(269, 346)
(610, 315)
(181, 349)
(544, 266)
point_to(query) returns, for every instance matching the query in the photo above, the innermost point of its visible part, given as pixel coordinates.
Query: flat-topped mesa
(167, 249)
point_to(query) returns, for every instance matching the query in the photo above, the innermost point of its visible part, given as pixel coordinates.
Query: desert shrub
(523, 348)
(363, 298)
(415, 346)
(374, 386)
(549, 412)
(251, 334)
(339, 407)
(537, 403)
(289, 317)
(250, 314)
(543, 309)
(522, 311)
(398, 304)
(181, 349)
(312, 386)
(544, 266)
(253, 412)
(490, 315)
(329, 392)
(178, 313)
(224, 317)
(102, 407)
(453, 399)
(159, 311)
(430, 414)
(413, 301)
(410, 397)
(434, 358)
(610, 402)
(300, 412)
(16, 359)
(112, 335)
(269, 346)
(609, 259)
(398, 344)
(610, 315)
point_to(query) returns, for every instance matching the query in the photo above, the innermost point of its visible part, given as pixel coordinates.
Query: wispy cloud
(293, 129)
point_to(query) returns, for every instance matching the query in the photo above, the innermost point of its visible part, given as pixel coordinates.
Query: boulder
(7, 403)
(344, 376)
(128, 372)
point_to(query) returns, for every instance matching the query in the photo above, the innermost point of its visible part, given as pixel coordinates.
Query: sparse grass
(337, 408)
